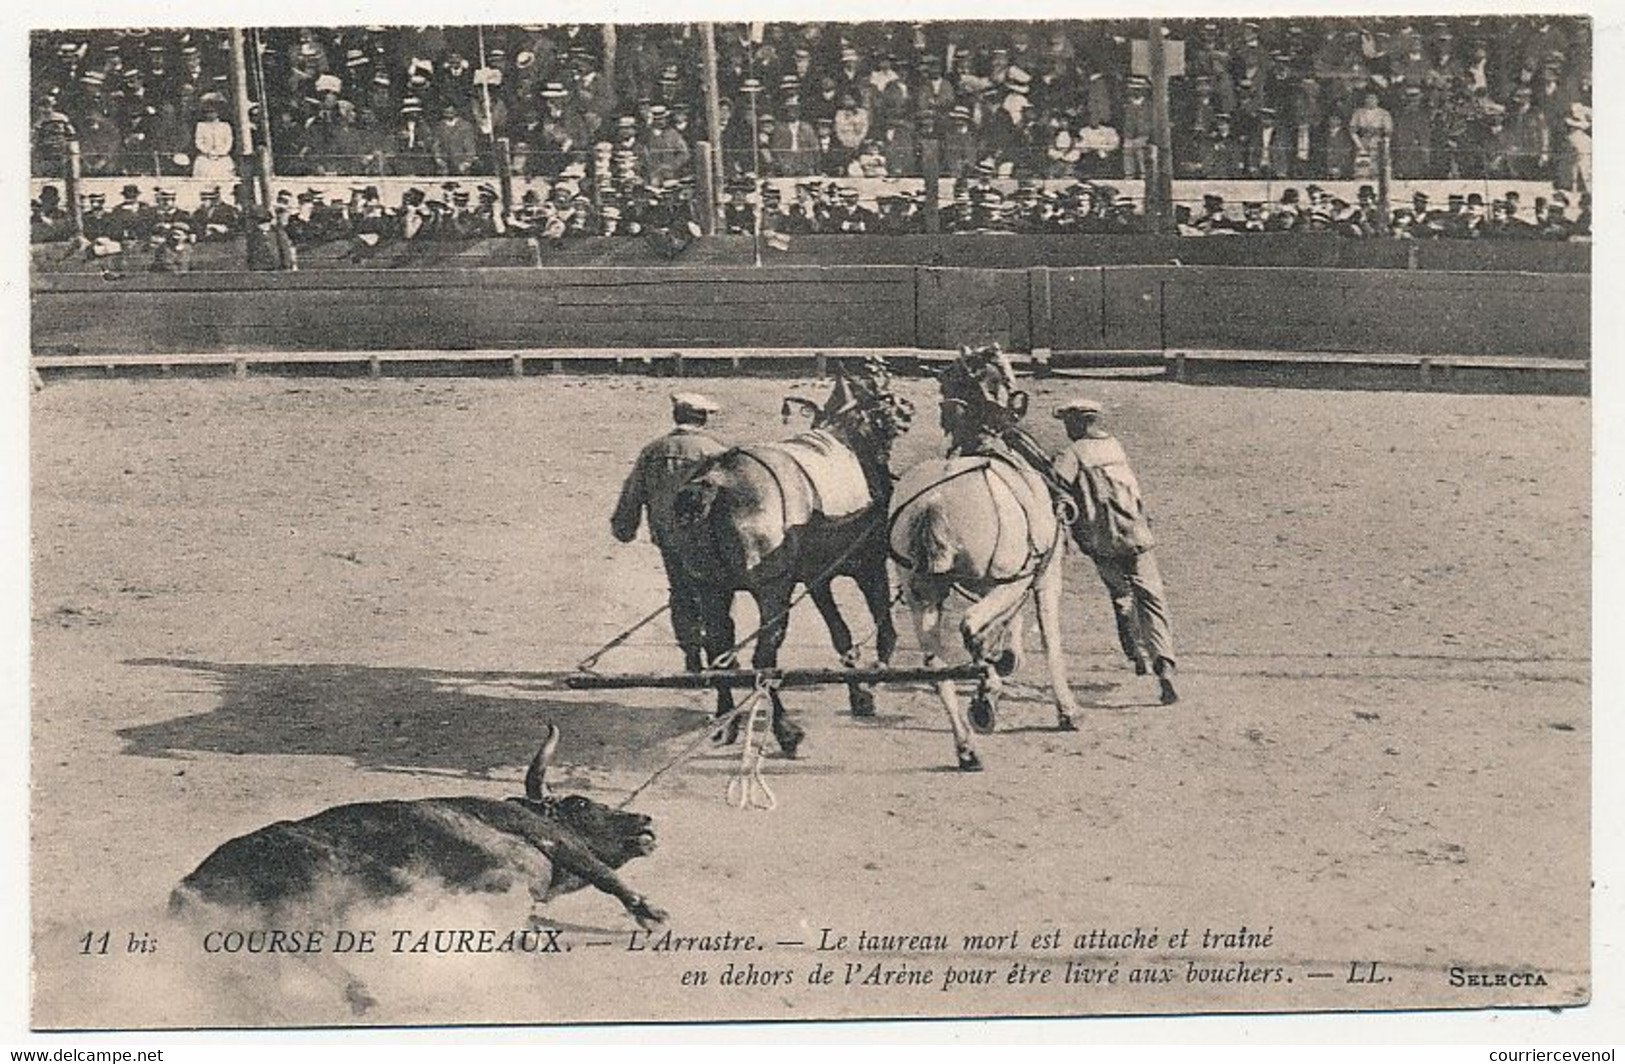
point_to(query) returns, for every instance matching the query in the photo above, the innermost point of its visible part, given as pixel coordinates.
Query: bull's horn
(536, 776)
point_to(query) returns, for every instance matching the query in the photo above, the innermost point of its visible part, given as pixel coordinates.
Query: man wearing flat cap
(660, 470)
(1113, 530)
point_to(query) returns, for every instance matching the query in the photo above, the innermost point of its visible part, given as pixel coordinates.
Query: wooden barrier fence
(1059, 309)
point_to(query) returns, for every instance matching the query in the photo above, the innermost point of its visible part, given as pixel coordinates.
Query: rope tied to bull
(703, 734)
(748, 788)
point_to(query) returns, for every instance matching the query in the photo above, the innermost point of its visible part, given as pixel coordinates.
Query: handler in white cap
(1113, 530)
(660, 470)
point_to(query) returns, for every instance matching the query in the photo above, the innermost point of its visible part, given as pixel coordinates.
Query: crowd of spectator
(1306, 99)
(451, 211)
(566, 210)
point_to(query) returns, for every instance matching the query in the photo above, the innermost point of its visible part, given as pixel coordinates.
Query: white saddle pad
(832, 470)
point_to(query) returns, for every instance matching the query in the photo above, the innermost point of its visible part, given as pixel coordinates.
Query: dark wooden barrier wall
(1432, 313)
(467, 309)
(1079, 308)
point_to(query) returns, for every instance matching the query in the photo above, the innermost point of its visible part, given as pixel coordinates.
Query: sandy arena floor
(255, 599)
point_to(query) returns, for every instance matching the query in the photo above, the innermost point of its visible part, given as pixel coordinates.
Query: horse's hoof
(1169, 695)
(984, 715)
(790, 741)
(1005, 663)
(1063, 722)
(863, 703)
(969, 762)
(1140, 667)
(726, 736)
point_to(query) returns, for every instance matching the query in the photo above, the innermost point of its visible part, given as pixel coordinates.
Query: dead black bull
(377, 851)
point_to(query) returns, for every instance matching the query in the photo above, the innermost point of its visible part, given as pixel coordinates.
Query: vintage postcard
(541, 523)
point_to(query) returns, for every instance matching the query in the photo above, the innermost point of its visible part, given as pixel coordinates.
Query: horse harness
(1037, 558)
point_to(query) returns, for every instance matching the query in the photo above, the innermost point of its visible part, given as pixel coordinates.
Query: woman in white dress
(213, 140)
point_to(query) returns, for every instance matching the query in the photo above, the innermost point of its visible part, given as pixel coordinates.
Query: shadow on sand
(466, 723)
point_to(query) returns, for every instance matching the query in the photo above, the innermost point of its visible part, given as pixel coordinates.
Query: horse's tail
(702, 525)
(692, 505)
(927, 540)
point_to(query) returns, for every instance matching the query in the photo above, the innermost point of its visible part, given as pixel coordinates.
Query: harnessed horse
(752, 519)
(983, 523)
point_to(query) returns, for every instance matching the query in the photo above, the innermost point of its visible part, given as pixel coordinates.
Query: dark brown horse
(766, 519)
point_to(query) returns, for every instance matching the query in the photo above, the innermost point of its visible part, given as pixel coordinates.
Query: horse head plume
(885, 414)
(843, 399)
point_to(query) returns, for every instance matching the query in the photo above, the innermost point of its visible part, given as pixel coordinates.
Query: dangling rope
(710, 728)
(748, 789)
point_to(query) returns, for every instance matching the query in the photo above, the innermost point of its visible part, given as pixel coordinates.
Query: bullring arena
(325, 445)
(255, 599)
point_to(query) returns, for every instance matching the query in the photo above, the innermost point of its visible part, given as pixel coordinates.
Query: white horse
(984, 527)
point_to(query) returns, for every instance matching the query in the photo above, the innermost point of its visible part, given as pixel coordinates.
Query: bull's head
(613, 835)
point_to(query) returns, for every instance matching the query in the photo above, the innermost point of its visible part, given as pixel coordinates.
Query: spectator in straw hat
(1006, 128)
(166, 212)
(739, 212)
(1269, 151)
(831, 159)
(934, 92)
(1557, 225)
(901, 147)
(848, 79)
(1530, 136)
(1136, 129)
(215, 219)
(888, 95)
(456, 144)
(794, 143)
(767, 127)
(959, 143)
(666, 153)
(1576, 170)
(1112, 529)
(172, 248)
(412, 153)
(95, 214)
(269, 247)
(850, 216)
(1098, 144)
(49, 221)
(660, 469)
